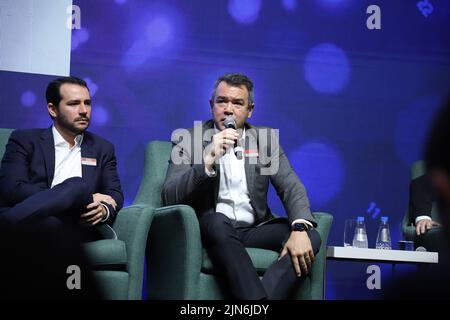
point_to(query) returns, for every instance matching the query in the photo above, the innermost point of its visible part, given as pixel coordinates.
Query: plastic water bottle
(360, 238)
(384, 235)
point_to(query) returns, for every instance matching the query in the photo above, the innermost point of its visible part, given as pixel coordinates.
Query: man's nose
(82, 109)
(229, 109)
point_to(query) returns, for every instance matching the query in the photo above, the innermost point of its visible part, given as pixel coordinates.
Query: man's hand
(99, 197)
(299, 248)
(97, 212)
(424, 225)
(220, 143)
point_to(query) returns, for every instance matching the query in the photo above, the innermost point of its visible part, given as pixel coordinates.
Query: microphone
(229, 123)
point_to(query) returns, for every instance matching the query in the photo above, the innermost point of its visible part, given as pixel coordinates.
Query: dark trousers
(64, 201)
(54, 211)
(226, 247)
(40, 238)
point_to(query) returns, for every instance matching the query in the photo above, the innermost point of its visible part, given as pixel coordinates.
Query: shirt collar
(60, 141)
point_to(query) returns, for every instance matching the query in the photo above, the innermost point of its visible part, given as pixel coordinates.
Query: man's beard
(62, 121)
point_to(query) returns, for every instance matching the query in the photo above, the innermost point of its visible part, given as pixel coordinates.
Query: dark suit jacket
(422, 195)
(28, 167)
(188, 183)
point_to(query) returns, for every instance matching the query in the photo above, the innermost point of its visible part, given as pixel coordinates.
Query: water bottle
(384, 235)
(360, 238)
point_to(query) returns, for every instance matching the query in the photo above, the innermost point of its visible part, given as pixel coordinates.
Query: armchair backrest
(157, 156)
(418, 169)
(4, 136)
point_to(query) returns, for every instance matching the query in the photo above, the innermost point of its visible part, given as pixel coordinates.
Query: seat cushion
(112, 284)
(108, 254)
(261, 259)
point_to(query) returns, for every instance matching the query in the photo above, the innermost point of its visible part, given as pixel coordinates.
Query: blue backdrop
(353, 105)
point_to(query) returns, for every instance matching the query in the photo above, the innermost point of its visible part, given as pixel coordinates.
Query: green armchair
(433, 239)
(177, 265)
(117, 264)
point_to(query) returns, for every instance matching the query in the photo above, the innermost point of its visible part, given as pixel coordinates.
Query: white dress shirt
(68, 161)
(233, 199)
(422, 218)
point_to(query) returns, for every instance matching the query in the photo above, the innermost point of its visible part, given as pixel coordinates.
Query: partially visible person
(434, 283)
(422, 195)
(437, 160)
(62, 173)
(57, 185)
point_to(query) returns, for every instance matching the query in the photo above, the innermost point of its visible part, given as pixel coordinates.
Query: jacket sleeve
(421, 196)
(287, 184)
(15, 185)
(110, 183)
(183, 178)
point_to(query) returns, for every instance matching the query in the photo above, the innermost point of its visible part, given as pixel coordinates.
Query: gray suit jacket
(187, 182)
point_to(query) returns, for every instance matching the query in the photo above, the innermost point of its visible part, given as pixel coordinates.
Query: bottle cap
(384, 219)
(360, 219)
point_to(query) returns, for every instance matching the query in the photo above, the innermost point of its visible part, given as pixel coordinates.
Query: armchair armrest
(409, 232)
(132, 225)
(174, 254)
(324, 221)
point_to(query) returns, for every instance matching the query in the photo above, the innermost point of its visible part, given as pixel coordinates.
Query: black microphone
(229, 123)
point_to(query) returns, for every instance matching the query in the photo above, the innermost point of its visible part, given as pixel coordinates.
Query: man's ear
(211, 104)
(250, 110)
(52, 110)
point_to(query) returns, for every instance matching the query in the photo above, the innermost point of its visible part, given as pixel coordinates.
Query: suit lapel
(48, 149)
(250, 140)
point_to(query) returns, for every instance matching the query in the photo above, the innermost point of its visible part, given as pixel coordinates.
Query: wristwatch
(299, 226)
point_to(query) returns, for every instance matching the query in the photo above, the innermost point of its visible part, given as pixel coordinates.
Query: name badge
(251, 153)
(89, 162)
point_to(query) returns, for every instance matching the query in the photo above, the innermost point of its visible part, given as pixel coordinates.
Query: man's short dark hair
(53, 93)
(437, 150)
(235, 80)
